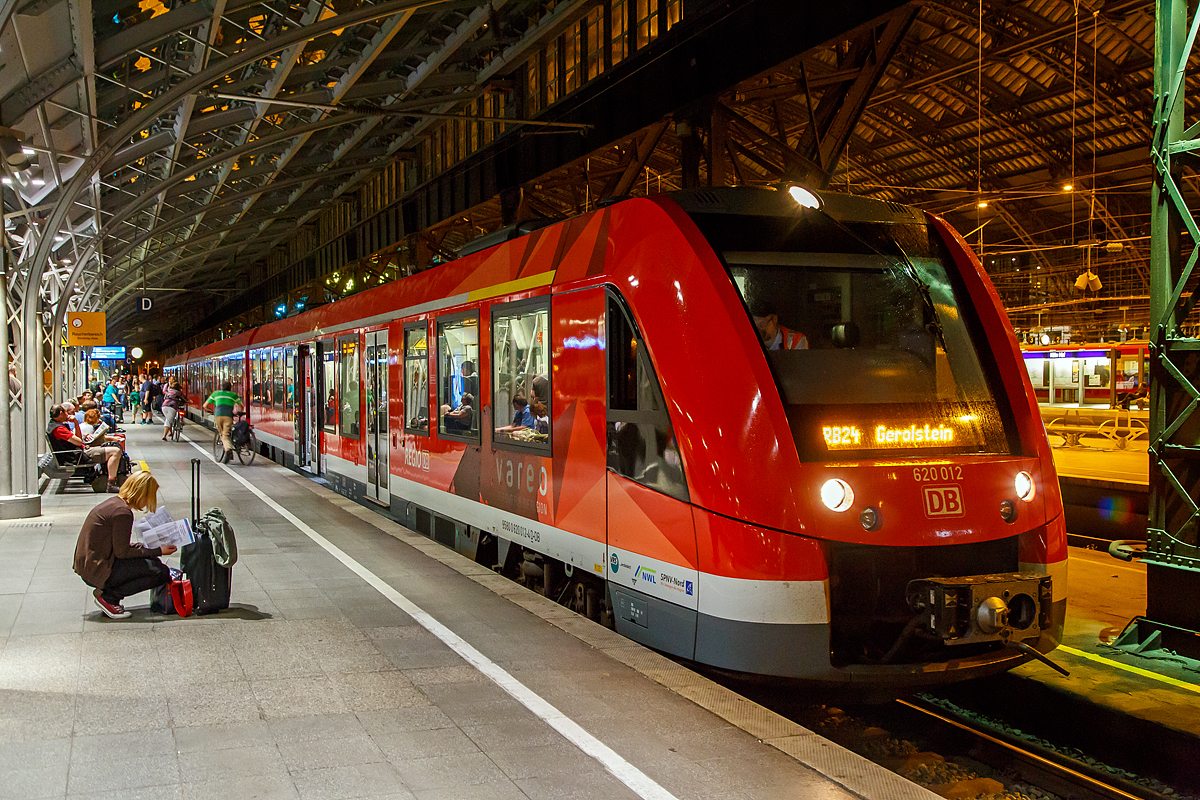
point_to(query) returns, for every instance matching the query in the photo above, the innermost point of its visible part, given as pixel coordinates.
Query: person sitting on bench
(63, 439)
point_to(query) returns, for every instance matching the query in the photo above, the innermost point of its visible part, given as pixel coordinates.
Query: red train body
(880, 507)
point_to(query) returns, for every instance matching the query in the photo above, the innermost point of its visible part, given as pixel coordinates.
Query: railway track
(1047, 769)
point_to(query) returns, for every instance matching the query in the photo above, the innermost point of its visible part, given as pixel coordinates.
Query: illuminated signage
(109, 353)
(852, 437)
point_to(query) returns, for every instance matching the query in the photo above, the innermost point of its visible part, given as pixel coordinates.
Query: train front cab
(947, 545)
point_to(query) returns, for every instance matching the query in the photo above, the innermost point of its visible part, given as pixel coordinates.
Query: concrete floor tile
(158, 742)
(375, 691)
(248, 787)
(33, 782)
(117, 774)
(455, 674)
(341, 751)
(519, 730)
(297, 697)
(199, 766)
(223, 736)
(410, 745)
(492, 790)
(570, 787)
(212, 703)
(556, 758)
(100, 715)
(144, 793)
(422, 717)
(309, 729)
(348, 656)
(376, 780)
(464, 769)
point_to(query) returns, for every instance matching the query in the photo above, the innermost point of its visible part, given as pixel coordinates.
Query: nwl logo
(943, 501)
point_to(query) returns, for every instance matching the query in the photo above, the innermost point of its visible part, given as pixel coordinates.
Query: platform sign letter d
(145, 303)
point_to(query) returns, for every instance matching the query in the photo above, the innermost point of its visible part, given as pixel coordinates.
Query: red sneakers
(110, 610)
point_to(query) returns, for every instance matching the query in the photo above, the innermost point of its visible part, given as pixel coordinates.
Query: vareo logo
(615, 562)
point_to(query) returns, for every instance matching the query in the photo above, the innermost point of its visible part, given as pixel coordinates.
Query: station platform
(1149, 695)
(358, 659)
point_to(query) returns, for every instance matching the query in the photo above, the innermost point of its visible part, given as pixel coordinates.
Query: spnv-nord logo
(615, 562)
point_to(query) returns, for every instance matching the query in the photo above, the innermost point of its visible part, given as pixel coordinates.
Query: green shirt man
(223, 401)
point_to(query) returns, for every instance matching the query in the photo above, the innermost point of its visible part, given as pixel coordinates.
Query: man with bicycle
(224, 402)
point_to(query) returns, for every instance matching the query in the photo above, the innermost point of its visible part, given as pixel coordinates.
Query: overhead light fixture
(1088, 280)
(7, 181)
(29, 151)
(1067, 187)
(982, 204)
(37, 181)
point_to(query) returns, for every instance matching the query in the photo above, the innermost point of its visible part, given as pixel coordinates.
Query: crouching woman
(105, 557)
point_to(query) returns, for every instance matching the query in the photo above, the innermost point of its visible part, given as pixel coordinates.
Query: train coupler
(1004, 608)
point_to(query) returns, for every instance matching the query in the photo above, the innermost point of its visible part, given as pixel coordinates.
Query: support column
(1172, 554)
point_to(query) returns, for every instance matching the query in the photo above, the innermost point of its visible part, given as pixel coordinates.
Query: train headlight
(804, 198)
(837, 495)
(1024, 486)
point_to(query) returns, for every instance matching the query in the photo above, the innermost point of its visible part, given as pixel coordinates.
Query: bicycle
(245, 446)
(177, 426)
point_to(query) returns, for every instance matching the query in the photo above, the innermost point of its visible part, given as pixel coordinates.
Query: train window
(521, 374)
(277, 379)
(289, 380)
(351, 410)
(416, 378)
(641, 441)
(329, 386)
(863, 324)
(237, 374)
(458, 383)
(256, 381)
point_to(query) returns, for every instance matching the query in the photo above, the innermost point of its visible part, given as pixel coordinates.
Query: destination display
(891, 435)
(108, 353)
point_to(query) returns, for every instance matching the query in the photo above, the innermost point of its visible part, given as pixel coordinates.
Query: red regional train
(772, 431)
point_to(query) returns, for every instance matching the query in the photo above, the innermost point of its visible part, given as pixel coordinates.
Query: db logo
(76, 323)
(943, 501)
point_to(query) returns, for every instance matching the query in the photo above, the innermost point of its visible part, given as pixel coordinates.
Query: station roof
(177, 147)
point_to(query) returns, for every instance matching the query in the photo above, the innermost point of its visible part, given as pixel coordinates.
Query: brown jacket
(105, 537)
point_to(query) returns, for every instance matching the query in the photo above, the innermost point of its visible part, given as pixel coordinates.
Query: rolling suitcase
(211, 585)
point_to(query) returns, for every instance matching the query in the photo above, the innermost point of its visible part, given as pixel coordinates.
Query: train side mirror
(844, 334)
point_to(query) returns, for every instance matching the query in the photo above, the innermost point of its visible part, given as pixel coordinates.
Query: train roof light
(1025, 486)
(837, 495)
(804, 198)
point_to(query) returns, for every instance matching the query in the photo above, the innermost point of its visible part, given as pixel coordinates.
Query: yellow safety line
(145, 467)
(1145, 673)
(529, 282)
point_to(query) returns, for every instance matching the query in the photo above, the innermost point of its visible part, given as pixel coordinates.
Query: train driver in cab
(774, 336)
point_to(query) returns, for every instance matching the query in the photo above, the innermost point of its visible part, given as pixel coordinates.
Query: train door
(376, 384)
(653, 577)
(310, 459)
(296, 357)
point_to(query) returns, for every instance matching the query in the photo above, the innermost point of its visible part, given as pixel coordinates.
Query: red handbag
(181, 595)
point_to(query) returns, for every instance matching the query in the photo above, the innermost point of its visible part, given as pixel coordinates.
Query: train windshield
(870, 338)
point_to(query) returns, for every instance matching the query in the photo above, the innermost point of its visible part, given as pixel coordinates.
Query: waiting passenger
(64, 439)
(461, 419)
(774, 336)
(105, 556)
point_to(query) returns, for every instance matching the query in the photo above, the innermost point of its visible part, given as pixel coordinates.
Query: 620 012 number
(944, 472)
